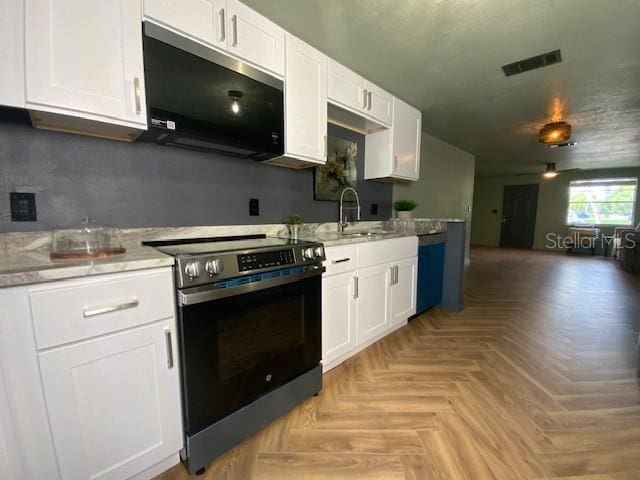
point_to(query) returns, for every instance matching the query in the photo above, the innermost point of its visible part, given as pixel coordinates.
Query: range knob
(214, 267)
(193, 269)
(318, 252)
(307, 253)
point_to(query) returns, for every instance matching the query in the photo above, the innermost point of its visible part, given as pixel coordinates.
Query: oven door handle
(206, 293)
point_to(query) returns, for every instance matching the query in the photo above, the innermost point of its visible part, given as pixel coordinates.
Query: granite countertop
(24, 257)
(22, 268)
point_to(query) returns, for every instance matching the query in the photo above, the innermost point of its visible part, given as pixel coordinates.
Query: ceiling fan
(550, 171)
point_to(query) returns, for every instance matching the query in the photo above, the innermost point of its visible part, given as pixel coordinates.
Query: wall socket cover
(23, 207)
(254, 207)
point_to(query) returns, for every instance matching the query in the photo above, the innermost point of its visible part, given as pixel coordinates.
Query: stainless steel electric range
(249, 321)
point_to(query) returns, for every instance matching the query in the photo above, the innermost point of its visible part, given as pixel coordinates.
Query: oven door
(237, 348)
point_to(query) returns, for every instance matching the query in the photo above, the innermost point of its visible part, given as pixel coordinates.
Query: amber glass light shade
(555, 132)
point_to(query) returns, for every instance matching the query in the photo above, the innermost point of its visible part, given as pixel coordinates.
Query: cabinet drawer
(340, 259)
(73, 310)
(375, 253)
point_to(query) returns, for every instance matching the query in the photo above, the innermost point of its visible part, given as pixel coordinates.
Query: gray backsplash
(147, 185)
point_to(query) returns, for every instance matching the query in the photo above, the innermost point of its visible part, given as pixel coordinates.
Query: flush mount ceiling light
(554, 132)
(550, 171)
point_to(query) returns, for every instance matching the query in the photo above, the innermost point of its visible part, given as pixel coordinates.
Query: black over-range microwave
(201, 99)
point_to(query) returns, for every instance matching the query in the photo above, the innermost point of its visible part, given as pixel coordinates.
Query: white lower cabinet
(373, 302)
(105, 406)
(112, 403)
(339, 310)
(403, 289)
(368, 290)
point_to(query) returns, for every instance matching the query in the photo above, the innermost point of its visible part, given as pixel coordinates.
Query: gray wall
(445, 188)
(147, 185)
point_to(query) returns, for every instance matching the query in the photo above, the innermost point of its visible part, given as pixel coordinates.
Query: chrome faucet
(342, 221)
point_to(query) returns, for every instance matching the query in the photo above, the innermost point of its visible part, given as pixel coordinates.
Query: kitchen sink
(365, 234)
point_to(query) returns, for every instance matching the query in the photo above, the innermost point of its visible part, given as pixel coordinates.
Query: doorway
(519, 204)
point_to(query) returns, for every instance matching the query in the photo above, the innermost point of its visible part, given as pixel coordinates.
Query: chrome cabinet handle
(136, 89)
(342, 260)
(392, 282)
(355, 287)
(395, 163)
(234, 22)
(397, 271)
(223, 26)
(369, 99)
(326, 146)
(364, 99)
(167, 337)
(93, 311)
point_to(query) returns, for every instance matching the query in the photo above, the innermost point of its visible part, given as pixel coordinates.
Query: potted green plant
(403, 208)
(293, 221)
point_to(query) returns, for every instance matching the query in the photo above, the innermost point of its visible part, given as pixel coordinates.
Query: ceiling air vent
(532, 63)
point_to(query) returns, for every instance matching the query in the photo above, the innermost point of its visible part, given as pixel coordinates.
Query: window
(609, 201)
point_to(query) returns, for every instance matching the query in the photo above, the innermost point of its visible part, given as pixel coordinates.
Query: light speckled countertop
(23, 268)
(24, 257)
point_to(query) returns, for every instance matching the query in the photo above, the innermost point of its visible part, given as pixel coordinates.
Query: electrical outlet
(374, 209)
(254, 207)
(23, 207)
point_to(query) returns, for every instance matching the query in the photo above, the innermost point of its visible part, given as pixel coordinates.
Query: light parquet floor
(536, 379)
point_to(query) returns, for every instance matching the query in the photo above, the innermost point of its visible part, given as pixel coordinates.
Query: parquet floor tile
(536, 379)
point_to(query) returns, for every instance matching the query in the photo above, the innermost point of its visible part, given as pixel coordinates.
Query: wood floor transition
(536, 378)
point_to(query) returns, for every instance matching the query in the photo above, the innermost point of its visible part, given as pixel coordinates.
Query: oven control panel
(256, 261)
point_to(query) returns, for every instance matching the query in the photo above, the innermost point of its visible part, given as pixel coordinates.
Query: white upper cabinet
(379, 104)
(349, 90)
(346, 88)
(202, 20)
(12, 54)
(395, 153)
(305, 91)
(84, 59)
(254, 38)
(407, 132)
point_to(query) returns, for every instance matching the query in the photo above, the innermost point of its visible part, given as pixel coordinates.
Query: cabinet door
(113, 403)
(379, 104)
(346, 88)
(254, 38)
(305, 101)
(338, 316)
(407, 133)
(373, 302)
(85, 59)
(10, 461)
(202, 20)
(403, 289)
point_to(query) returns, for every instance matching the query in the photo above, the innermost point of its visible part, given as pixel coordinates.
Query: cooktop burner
(187, 246)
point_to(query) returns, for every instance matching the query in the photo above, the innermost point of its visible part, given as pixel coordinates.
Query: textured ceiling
(444, 56)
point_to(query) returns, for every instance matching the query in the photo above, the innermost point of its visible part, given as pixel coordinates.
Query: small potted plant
(294, 222)
(403, 208)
